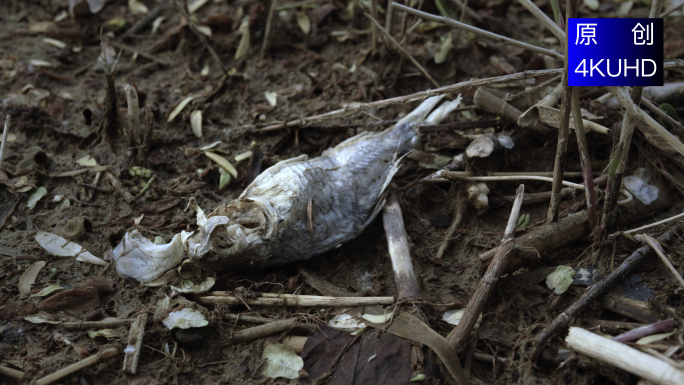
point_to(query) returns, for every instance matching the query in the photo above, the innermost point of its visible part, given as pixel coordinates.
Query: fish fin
(442, 111)
(418, 115)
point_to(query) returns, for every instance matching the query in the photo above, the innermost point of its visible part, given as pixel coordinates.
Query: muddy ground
(56, 94)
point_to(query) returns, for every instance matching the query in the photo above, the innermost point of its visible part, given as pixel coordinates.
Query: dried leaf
(561, 279)
(89, 258)
(29, 277)
(137, 8)
(184, 319)
(47, 291)
(196, 123)
(77, 300)
(179, 108)
(205, 30)
(304, 22)
(591, 4)
(377, 319)
(56, 245)
(109, 334)
(54, 42)
(271, 98)
(194, 5)
(87, 161)
(243, 156)
(35, 197)
(223, 162)
(441, 56)
(42, 318)
(654, 338)
(187, 286)
(281, 361)
(156, 24)
(346, 322)
(243, 47)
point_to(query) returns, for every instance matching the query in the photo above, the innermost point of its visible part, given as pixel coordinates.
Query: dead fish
(292, 211)
(303, 207)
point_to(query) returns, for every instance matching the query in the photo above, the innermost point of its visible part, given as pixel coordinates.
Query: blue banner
(615, 52)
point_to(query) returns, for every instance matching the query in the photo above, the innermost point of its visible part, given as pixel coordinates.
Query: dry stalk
(135, 337)
(624, 357)
(478, 31)
(564, 129)
(458, 87)
(5, 132)
(454, 175)
(11, 373)
(268, 299)
(654, 224)
(505, 253)
(495, 105)
(464, 7)
(200, 36)
(587, 175)
(459, 208)
(401, 49)
(659, 250)
(397, 242)
(267, 32)
(646, 330)
(563, 319)
(674, 8)
(261, 331)
(541, 16)
(73, 368)
(97, 324)
(661, 113)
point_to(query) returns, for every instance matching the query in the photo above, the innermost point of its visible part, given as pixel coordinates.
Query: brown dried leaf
(76, 300)
(29, 277)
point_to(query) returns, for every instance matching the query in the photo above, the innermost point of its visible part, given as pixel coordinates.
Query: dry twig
(5, 132)
(597, 289)
(84, 363)
(401, 49)
(484, 289)
(200, 36)
(454, 23)
(398, 245)
(268, 299)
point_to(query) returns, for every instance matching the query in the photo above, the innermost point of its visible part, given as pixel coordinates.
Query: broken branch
(269, 299)
(484, 290)
(597, 289)
(454, 23)
(398, 245)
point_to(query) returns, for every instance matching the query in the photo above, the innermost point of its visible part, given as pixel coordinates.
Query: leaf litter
(301, 57)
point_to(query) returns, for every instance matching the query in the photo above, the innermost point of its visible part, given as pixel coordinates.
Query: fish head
(237, 236)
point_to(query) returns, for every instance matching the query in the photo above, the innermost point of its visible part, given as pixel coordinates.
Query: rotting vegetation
(131, 115)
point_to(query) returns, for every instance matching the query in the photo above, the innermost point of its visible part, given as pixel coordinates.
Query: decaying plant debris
(294, 124)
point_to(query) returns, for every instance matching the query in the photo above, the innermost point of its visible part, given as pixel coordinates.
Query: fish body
(303, 207)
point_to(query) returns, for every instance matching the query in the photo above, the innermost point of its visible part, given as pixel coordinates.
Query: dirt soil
(53, 84)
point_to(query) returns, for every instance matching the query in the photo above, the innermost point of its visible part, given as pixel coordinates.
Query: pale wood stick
(541, 16)
(660, 113)
(624, 357)
(5, 132)
(268, 299)
(397, 242)
(458, 87)
(659, 250)
(295, 343)
(454, 23)
(646, 330)
(200, 36)
(495, 105)
(267, 32)
(261, 331)
(484, 289)
(654, 224)
(263, 320)
(459, 208)
(449, 175)
(84, 363)
(97, 324)
(135, 337)
(9, 372)
(673, 9)
(401, 49)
